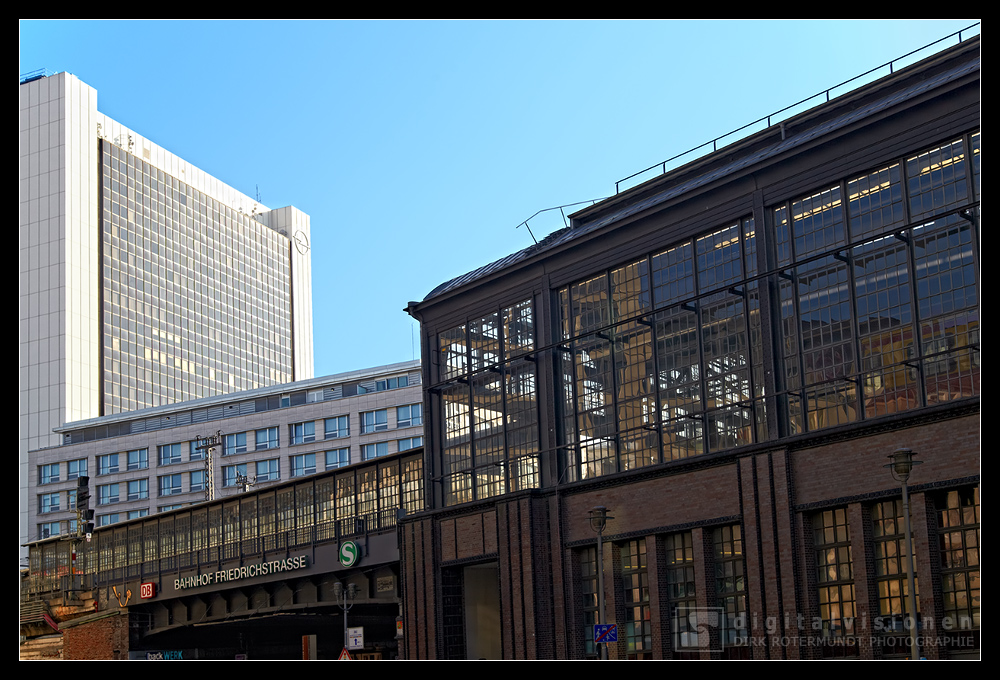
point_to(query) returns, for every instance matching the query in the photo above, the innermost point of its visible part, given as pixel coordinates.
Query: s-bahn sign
(240, 573)
(349, 553)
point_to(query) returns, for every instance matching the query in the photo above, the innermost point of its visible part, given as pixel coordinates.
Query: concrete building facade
(723, 357)
(155, 460)
(143, 281)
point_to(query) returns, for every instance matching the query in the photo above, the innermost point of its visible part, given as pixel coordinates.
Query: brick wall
(102, 636)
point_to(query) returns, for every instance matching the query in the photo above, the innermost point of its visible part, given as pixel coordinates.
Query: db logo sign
(147, 590)
(349, 553)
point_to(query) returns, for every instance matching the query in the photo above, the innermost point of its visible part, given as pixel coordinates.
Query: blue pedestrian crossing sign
(605, 632)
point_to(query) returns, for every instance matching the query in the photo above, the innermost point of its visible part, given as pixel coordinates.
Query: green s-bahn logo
(349, 553)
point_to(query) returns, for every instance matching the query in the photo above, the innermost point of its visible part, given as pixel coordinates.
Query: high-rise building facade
(143, 281)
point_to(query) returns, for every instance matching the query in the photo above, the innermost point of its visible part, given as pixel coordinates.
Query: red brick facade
(772, 494)
(100, 636)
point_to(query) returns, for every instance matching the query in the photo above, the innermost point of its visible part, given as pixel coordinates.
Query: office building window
(303, 465)
(231, 473)
(107, 464)
(197, 480)
(235, 443)
(338, 458)
(107, 494)
(302, 433)
(409, 443)
(391, 383)
(168, 508)
(136, 514)
(267, 438)
(48, 473)
(369, 451)
(336, 428)
(374, 421)
(48, 502)
(834, 572)
(408, 416)
(138, 489)
(170, 454)
(170, 485)
(194, 452)
(138, 459)
(76, 468)
(48, 529)
(71, 499)
(267, 470)
(105, 520)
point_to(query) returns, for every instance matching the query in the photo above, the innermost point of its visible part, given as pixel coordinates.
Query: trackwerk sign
(239, 573)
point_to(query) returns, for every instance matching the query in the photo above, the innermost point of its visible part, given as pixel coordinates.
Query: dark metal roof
(794, 140)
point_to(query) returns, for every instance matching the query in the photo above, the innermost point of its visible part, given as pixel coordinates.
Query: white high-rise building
(143, 281)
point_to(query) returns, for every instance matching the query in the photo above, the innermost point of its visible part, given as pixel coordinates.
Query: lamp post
(345, 600)
(598, 521)
(900, 466)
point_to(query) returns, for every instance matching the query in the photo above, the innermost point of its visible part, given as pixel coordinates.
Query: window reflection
(489, 428)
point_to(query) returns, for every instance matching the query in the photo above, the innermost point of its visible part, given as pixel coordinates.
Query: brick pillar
(704, 576)
(769, 548)
(420, 591)
(659, 603)
(925, 552)
(863, 564)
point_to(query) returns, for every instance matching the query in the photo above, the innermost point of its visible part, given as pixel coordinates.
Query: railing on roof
(773, 118)
(562, 213)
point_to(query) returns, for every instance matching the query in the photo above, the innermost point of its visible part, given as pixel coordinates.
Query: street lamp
(598, 522)
(345, 600)
(900, 467)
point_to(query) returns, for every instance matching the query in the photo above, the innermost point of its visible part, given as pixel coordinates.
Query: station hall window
(834, 573)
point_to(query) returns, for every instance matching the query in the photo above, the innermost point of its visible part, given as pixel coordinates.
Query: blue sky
(418, 147)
